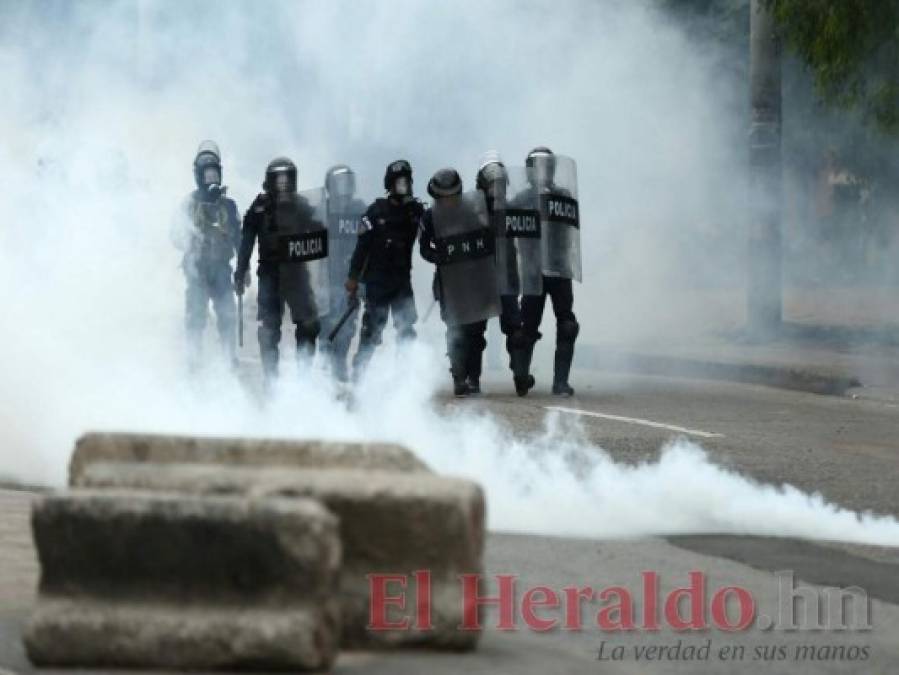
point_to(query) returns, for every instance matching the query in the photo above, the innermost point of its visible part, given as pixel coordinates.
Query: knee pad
(568, 330)
(518, 339)
(308, 330)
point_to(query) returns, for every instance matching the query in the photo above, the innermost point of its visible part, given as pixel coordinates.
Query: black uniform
(562, 296)
(510, 322)
(262, 222)
(465, 343)
(382, 261)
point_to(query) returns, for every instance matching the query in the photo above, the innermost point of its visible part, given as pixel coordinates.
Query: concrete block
(390, 523)
(148, 580)
(165, 449)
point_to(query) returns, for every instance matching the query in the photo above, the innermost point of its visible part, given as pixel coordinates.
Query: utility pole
(764, 299)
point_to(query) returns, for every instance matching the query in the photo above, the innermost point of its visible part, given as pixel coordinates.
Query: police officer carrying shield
(493, 182)
(560, 244)
(382, 260)
(457, 237)
(290, 238)
(207, 230)
(344, 218)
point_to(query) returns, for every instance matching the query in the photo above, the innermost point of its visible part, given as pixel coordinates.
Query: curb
(796, 378)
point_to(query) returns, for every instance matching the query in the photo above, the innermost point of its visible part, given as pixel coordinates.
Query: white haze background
(105, 103)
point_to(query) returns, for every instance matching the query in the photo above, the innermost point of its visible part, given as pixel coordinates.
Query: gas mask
(212, 181)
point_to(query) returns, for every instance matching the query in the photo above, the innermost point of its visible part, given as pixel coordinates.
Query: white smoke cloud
(106, 102)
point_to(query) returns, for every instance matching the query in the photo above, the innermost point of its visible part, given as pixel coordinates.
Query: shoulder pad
(260, 204)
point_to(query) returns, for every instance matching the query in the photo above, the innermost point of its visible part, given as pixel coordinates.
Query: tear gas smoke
(106, 103)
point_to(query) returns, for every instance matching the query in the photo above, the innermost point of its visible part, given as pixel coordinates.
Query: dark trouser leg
(306, 334)
(374, 318)
(475, 343)
(455, 350)
(402, 304)
(510, 320)
(532, 307)
(196, 301)
(567, 328)
(225, 310)
(271, 310)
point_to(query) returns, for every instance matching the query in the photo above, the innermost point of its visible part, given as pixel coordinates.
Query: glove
(351, 286)
(241, 282)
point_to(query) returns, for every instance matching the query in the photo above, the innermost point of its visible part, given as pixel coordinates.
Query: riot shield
(303, 254)
(344, 217)
(520, 248)
(559, 216)
(466, 260)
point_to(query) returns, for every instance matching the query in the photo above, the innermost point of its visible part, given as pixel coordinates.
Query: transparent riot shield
(560, 217)
(303, 242)
(522, 231)
(343, 218)
(466, 259)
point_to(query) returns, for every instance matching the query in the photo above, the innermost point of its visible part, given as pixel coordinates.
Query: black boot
(562, 367)
(520, 360)
(461, 389)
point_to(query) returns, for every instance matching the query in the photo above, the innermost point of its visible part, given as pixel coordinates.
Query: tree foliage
(852, 50)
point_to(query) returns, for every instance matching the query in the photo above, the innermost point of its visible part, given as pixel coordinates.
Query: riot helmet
(280, 178)
(340, 182)
(541, 167)
(398, 178)
(492, 179)
(208, 167)
(445, 183)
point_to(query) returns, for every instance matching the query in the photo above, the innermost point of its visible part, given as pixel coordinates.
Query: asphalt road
(844, 448)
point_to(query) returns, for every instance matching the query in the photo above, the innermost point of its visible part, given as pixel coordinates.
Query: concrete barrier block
(138, 579)
(390, 523)
(166, 449)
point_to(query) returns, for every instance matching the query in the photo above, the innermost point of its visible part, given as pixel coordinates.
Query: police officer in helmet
(207, 230)
(493, 182)
(382, 261)
(278, 212)
(457, 238)
(541, 174)
(344, 218)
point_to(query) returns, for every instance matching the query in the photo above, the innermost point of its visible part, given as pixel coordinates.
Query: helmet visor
(343, 184)
(282, 182)
(402, 187)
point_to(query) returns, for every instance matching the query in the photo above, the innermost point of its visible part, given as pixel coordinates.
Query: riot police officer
(207, 230)
(560, 245)
(493, 182)
(456, 236)
(382, 260)
(291, 239)
(344, 219)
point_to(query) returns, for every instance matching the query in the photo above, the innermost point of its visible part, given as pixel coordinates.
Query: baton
(353, 305)
(240, 319)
